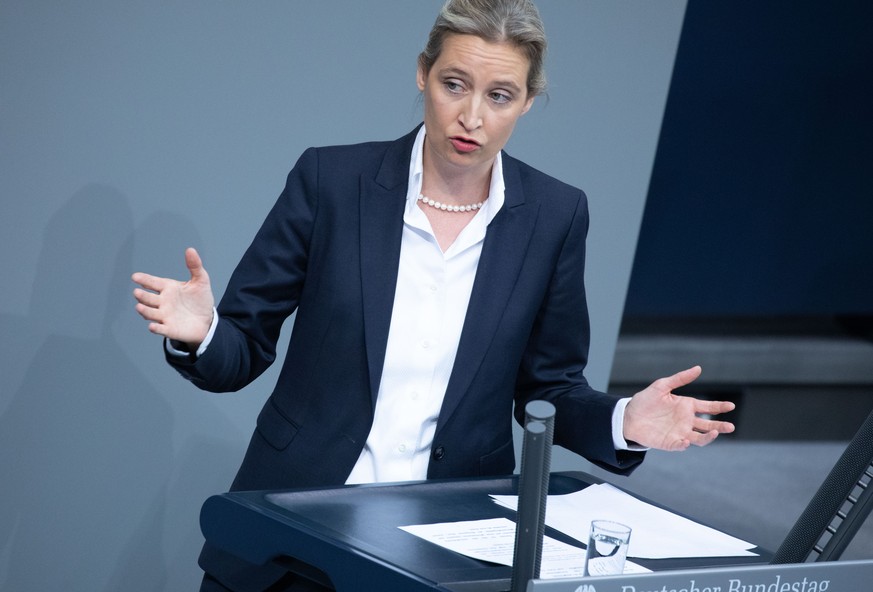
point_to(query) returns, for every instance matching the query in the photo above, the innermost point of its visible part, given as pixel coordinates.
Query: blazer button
(438, 453)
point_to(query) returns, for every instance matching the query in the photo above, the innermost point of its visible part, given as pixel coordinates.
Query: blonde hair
(508, 21)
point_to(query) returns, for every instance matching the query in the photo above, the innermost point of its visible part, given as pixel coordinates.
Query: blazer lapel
(383, 199)
(503, 253)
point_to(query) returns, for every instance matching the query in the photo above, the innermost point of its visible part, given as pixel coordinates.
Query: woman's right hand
(180, 311)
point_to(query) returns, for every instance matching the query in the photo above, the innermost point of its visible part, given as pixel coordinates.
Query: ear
(421, 78)
(527, 105)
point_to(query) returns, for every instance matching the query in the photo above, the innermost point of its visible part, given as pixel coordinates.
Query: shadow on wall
(85, 438)
(91, 480)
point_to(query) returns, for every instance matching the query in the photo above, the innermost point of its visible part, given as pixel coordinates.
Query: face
(473, 95)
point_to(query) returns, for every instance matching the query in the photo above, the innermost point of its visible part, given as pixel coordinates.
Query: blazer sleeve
(263, 291)
(556, 355)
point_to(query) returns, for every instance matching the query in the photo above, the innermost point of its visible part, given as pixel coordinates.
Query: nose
(470, 116)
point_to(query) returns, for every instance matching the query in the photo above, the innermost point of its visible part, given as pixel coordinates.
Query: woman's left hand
(657, 418)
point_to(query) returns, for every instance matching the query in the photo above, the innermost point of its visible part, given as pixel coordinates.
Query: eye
(500, 98)
(453, 86)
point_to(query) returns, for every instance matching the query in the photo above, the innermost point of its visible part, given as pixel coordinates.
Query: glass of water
(607, 548)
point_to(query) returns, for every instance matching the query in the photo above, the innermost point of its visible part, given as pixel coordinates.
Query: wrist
(629, 431)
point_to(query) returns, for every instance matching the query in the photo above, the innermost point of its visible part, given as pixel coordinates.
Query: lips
(463, 144)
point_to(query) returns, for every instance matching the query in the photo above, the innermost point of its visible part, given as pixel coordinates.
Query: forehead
(483, 59)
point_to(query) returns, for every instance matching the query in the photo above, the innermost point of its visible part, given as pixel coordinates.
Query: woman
(437, 282)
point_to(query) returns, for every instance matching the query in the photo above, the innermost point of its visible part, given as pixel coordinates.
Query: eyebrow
(461, 73)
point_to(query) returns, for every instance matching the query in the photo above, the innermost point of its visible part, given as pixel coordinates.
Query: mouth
(463, 144)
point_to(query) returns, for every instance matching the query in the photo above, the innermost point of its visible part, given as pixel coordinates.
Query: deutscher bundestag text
(736, 585)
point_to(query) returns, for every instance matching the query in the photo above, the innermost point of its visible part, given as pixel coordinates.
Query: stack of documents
(494, 540)
(656, 533)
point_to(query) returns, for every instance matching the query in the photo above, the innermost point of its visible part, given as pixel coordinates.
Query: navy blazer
(329, 250)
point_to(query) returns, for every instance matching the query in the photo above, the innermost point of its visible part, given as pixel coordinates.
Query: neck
(454, 185)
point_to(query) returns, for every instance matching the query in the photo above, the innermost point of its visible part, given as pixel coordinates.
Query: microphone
(533, 491)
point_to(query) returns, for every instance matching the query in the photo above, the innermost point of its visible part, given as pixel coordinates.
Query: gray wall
(130, 130)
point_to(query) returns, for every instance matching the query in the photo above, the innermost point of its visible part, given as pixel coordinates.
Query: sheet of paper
(493, 540)
(655, 534)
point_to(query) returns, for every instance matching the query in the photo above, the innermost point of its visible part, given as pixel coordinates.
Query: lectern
(348, 537)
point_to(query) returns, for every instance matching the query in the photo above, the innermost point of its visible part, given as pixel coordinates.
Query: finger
(149, 313)
(149, 299)
(158, 329)
(149, 282)
(719, 427)
(681, 378)
(703, 439)
(194, 264)
(713, 407)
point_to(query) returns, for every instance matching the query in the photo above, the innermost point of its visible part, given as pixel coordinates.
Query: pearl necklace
(450, 208)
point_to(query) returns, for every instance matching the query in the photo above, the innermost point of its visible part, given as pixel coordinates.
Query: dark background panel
(761, 197)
